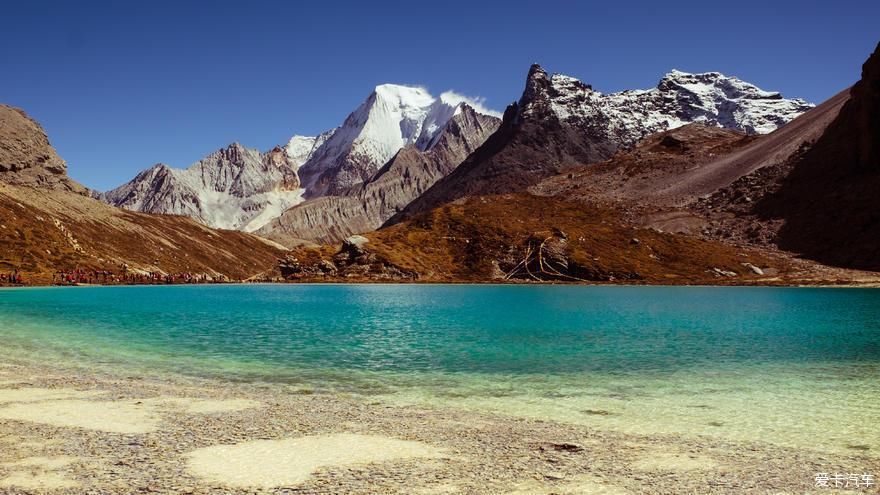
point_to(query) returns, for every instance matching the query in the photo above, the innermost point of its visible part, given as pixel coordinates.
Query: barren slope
(775, 147)
(42, 231)
(829, 203)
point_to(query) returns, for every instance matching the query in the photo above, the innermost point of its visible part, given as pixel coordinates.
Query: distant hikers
(12, 278)
(80, 276)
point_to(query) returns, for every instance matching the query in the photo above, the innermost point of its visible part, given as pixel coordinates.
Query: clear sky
(122, 85)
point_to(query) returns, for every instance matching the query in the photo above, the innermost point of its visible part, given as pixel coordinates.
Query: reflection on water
(797, 367)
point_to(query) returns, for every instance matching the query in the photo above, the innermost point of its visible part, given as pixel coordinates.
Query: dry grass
(481, 238)
(43, 231)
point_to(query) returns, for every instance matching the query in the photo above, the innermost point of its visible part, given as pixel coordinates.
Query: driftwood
(545, 269)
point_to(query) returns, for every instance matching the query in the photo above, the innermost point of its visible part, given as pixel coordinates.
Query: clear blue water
(769, 364)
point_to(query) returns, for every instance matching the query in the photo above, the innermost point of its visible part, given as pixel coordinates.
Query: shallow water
(795, 367)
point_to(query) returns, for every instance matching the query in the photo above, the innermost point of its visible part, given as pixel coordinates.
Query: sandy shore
(63, 432)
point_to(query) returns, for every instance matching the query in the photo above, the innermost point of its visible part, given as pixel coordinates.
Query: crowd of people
(11, 278)
(85, 276)
(124, 276)
(91, 276)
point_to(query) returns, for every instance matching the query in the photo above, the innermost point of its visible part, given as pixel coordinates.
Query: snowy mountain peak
(454, 99)
(679, 98)
(733, 87)
(403, 97)
(393, 116)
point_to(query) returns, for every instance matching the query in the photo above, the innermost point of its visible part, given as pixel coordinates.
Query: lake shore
(66, 430)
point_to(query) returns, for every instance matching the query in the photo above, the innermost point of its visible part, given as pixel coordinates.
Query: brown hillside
(42, 231)
(829, 202)
(47, 223)
(522, 237)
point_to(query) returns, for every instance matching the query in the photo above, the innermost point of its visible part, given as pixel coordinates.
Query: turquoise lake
(790, 366)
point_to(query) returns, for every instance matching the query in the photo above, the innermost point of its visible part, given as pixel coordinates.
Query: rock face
(27, 158)
(829, 201)
(233, 188)
(560, 121)
(408, 174)
(393, 117)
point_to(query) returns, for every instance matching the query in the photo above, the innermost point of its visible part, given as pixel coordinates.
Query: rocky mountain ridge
(243, 189)
(561, 122)
(408, 174)
(392, 118)
(234, 188)
(48, 223)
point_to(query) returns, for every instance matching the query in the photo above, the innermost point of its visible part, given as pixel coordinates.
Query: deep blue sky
(122, 85)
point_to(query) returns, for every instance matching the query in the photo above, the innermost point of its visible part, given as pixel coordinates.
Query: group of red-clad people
(83, 276)
(90, 276)
(11, 278)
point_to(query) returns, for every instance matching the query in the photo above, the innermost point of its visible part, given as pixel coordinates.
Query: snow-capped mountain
(680, 98)
(569, 122)
(459, 131)
(233, 188)
(560, 121)
(391, 118)
(242, 188)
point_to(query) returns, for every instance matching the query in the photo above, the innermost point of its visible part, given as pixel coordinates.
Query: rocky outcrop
(407, 175)
(353, 260)
(559, 122)
(27, 158)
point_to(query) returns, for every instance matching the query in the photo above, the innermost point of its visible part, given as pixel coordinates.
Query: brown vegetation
(42, 231)
(522, 237)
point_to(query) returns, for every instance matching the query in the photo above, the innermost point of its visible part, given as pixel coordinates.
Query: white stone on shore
(108, 416)
(276, 463)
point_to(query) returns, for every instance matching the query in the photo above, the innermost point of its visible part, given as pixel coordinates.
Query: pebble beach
(72, 432)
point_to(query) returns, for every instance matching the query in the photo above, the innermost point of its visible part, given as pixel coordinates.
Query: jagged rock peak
(27, 157)
(537, 86)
